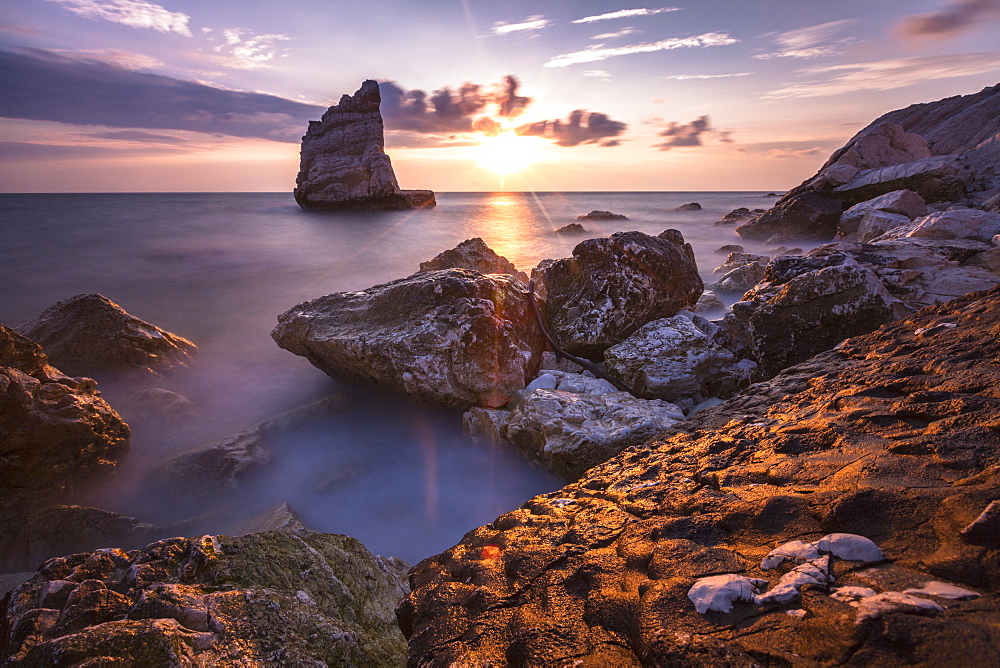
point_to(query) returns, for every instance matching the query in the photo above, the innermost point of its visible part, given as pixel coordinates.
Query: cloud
(594, 54)
(950, 21)
(685, 77)
(446, 110)
(245, 51)
(625, 13)
(530, 24)
(124, 59)
(681, 135)
(582, 127)
(888, 74)
(616, 34)
(41, 85)
(810, 42)
(603, 75)
(14, 150)
(137, 135)
(134, 13)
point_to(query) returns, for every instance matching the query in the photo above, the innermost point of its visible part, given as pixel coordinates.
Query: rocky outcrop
(474, 254)
(971, 224)
(613, 286)
(343, 164)
(890, 438)
(940, 178)
(91, 335)
(57, 431)
(740, 272)
(453, 336)
(572, 228)
(281, 598)
(900, 202)
(601, 215)
(809, 215)
(739, 216)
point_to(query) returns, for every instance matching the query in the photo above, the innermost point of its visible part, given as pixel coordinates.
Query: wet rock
(613, 286)
(572, 228)
(938, 178)
(890, 437)
(903, 202)
(568, 433)
(809, 215)
(265, 599)
(486, 426)
(739, 216)
(222, 464)
(453, 336)
(729, 248)
(158, 405)
(691, 206)
(601, 215)
(740, 272)
(343, 164)
(91, 335)
(474, 254)
(281, 517)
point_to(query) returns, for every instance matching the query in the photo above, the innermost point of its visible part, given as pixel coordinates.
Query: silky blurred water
(219, 268)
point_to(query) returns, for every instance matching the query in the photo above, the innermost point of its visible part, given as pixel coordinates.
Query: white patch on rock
(796, 550)
(943, 590)
(814, 572)
(851, 594)
(875, 606)
(545, 381)
(850, 547)
(719, 592)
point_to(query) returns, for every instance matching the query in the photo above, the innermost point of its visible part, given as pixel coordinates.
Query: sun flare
(509, 152)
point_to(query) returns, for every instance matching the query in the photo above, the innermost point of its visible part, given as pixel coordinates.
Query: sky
(477, 95)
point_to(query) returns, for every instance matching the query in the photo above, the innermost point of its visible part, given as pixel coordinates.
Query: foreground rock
(288, 598)
(343, 164)
(476, 255)
(91, 335)
(57, 431)
(613, 286)
(453, 336)
(891, 438)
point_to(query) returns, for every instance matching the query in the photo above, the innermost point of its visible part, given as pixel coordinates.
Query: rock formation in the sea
(343, 164)
(280, 598)
(613, 286)
(572, 228)
(690, 206)
(56, 432)
(91, 335)
(474, 254)
(874, 466)
(601, 215)
(454, 336)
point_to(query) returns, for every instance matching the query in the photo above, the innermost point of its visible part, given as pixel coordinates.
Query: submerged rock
(91, 335)
(601, 215)
(281, 517)
(453, 336)
(265, 599)
(691, 206)
(474, 254)
(343, 164)
(572, 228)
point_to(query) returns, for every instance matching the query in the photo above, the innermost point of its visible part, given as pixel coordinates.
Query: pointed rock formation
(343, 164)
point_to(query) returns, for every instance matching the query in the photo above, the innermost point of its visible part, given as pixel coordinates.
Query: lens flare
(509, 152)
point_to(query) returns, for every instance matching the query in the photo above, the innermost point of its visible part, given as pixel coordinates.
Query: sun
(509, 152)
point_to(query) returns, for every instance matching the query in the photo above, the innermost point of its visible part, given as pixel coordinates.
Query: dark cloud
(40, 85)
(582, 127)
(949, 21)
(445, 110)
(510, 103)
(16, 150)
(679, 135)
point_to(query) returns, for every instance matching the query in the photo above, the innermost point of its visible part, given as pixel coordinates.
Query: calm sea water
(219, 268)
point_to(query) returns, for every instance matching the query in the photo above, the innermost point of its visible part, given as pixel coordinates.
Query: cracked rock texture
(476, 255)
(895, 436)
(343, 164)
(280, 598)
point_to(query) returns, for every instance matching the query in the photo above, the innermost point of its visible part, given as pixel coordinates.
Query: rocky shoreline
(840, 510)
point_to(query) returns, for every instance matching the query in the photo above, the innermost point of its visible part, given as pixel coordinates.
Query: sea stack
(343, 164)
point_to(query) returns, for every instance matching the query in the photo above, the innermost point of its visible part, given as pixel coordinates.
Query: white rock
(486, 426)
(875, 606)
(851, 594)
(943, 590)
(874, 224)
(958, 224)
(719, 592)
(798, 614)
(796, 550)
(850, 547)
(577, 383)
(546, 381)
(904, 202)
(789, 587)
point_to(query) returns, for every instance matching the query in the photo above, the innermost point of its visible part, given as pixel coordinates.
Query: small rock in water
(691, 206)
(729, 248)
(602, 215)
(719, 592)
(572, 228)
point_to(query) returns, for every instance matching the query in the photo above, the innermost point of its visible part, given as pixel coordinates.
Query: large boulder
(957, 224)
(57, 431)
(888, 443)
(280, 598)
(453, 336)
(809, 215)
(91, 335)
(476, 255)
(938, 178)
(740, 272)
(343, 164)
(613, 286)
(904, 202)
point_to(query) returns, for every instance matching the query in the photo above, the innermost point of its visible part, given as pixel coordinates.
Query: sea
(218, 268)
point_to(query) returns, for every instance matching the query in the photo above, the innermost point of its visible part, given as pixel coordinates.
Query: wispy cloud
(595, 54)
(950, 21)
(529, 24)
(625, 13)
(680, 135)
(685, 77)
(809, 42)
(134, 13)
(889, 74)
(616, 34)
(124, 59)
(245, 51)
(603, 75)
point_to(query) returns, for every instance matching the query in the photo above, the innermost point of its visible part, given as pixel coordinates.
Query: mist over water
(219, 268)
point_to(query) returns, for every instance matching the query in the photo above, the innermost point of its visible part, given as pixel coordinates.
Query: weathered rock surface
(690, 206)
(601, 215)
(939, 178)
(809, 215)
(91, 335)
(884, 144)
(572, 228)
(739, 216)
(904, 202)
(281, 517)
(740, 272)
(276, 598)
(957, 224)
(56, 432)
(613, 286)
(874, 224)
(474, 254)
(892, 437)
(567, 433)
(453, 336)
(343, 164)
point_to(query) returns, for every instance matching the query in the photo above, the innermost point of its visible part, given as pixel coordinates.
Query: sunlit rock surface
(892, 437)
(476, 255)
(91, 335)
(453, 336)
(280, 598)
(343, 164)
